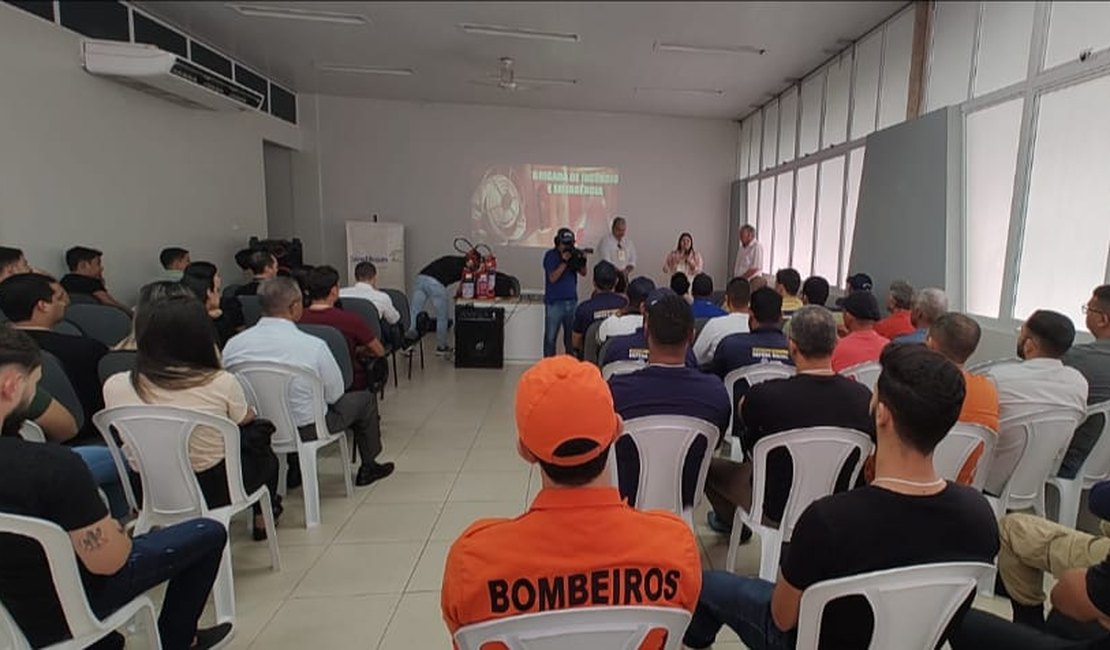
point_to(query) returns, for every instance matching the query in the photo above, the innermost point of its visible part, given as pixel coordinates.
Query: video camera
(577, 260)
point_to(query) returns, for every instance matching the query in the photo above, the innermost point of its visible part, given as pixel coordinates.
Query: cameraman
(560, 294)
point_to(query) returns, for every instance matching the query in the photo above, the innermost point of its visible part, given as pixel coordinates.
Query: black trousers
(258, 470)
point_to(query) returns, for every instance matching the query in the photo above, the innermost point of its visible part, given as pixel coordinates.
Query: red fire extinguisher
(491, 275)
(468, 283)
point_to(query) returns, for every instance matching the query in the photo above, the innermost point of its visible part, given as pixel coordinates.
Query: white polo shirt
(620, 254)
(380, 299)
(716, 329)
(747, 257)
(619, 326)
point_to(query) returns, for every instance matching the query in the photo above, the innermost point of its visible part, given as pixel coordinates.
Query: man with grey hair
(899, 302)
(749, 256)
(276, 339)
(617, 249)
(928, 306)
(815, 396)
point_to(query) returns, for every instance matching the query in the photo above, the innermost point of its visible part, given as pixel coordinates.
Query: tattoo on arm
(93, 539)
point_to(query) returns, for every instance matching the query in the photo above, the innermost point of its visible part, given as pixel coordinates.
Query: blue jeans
(560, 312)
(429, 288)
(188, 555)
(744, 604)
(99, 461)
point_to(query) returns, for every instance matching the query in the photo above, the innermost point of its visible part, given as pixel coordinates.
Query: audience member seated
(262, 266)
(322, 284)
(788, 282)
(816, 396)
(174, 261)
(149, 294)
(1040, 382)
(203, 279)
(735, 321)
(815, 291)
(862, 343)
(634, 346)
(577, 526)
(765, 342)
(702, 291)
(668, 385)
(956, 336)
(631, 317)
(86, 276)
(12, 262)
(178, 364)
(36, 304)
(276, 339)
(1092, 360)
(49, 482)
(366, 288)
(907, 516)
(604, 303)
(899, 302)
(928, 306)
(680, 284)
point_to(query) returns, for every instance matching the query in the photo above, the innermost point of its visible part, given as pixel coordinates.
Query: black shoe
(367, 474)
(211, 637)
(716, 525)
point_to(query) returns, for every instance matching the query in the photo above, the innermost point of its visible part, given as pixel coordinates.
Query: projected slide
(524, 205)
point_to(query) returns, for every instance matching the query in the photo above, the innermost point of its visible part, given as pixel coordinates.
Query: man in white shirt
(366, 287)
(737, 295)
(276, 339)
(617, 249)
(1039, 383)
(631, 317)
(749, 259)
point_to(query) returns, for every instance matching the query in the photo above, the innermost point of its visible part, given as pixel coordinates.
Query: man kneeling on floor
(907, 516)
(578, 545)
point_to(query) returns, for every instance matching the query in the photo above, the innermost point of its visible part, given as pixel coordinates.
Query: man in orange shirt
(899, 302)
(956, 336)
(578, 545)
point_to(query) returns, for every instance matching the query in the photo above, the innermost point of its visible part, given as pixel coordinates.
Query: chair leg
(147, 618)
(1070, 492)
(770, 545)
(283, 474)
(393, 362)
(421, 353)
(344, 454)
(266, 504)
(310, 486)
(734, 541)
(223, 592)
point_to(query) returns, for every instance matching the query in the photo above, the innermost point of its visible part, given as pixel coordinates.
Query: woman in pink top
(683, 259)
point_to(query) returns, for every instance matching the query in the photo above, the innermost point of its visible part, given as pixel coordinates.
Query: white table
(523, 327)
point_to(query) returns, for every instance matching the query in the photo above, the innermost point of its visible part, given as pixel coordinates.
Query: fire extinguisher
(468, 283)
(491, 273)
(480, 290)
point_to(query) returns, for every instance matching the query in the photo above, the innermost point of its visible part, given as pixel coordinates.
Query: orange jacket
(575, 547)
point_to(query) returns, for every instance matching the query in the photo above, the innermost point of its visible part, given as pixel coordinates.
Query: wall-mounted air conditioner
(166, 75)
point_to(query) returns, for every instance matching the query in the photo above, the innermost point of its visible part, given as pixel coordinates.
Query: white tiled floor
(369, 576)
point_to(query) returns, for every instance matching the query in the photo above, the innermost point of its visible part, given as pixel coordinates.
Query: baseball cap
(862, 304)
(562, 399)
(564, 236)
(638, 290)
(860, 282)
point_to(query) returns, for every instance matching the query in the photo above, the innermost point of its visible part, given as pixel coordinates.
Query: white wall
(412, 162)
(84, 160)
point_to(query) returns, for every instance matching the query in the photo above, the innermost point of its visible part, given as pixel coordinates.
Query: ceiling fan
(507, 80)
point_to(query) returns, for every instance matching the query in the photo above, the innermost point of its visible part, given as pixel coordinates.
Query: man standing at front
(578, 545)
(617, 249)
(749, 259)
(561, 268)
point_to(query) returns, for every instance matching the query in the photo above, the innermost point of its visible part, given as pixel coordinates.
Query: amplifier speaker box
(479, 337)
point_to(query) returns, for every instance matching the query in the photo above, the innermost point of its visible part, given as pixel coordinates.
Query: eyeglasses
(1088, 308)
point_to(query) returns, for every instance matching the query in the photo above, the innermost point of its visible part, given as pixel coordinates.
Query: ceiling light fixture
(519, 32)
(708, 49)
(716, 92)
(289, 13)
(365, 69)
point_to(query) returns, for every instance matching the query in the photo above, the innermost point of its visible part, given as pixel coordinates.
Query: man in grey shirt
(1093, 360)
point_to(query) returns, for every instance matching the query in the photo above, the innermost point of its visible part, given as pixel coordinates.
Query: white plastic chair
(753, 374)
(1048, 433)
(866, 373)
(158, 439)
(663, 441)
(31, 432)
(953, 450)
(1095, 468)
(596, 628)
(912, 605)
(818, 455)
(83, 624)
(267, 386)
(614, 368)
(983, 367)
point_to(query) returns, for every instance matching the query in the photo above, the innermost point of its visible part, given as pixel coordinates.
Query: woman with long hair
(178, 364)
(683, 259)
(203, 279)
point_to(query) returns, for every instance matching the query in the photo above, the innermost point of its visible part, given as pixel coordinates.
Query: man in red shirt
(322, 284)
(863, 343)
(899, 302)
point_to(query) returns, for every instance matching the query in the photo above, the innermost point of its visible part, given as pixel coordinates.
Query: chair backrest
(106, 324)
(367, 311)
(1048, 434)
(31, 432)
(957, 446)
(754, 374)
(82, 299)
(158, 439)
(11, 636)
(268, 386)
(621, 368)
(663, 442)
(596, 628)
(982, 367)
(866, 373)
(115, 362)
(401, 304)
(337, 343)
(699, 324)
(591, 347)
(58, 549)
(819, 455)
(66, 327)
(252, 309)
(229, 290)
(1096, 467)
(912, 605)
(56, 382)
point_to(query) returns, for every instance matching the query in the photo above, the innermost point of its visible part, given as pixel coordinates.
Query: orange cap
(561, 399)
